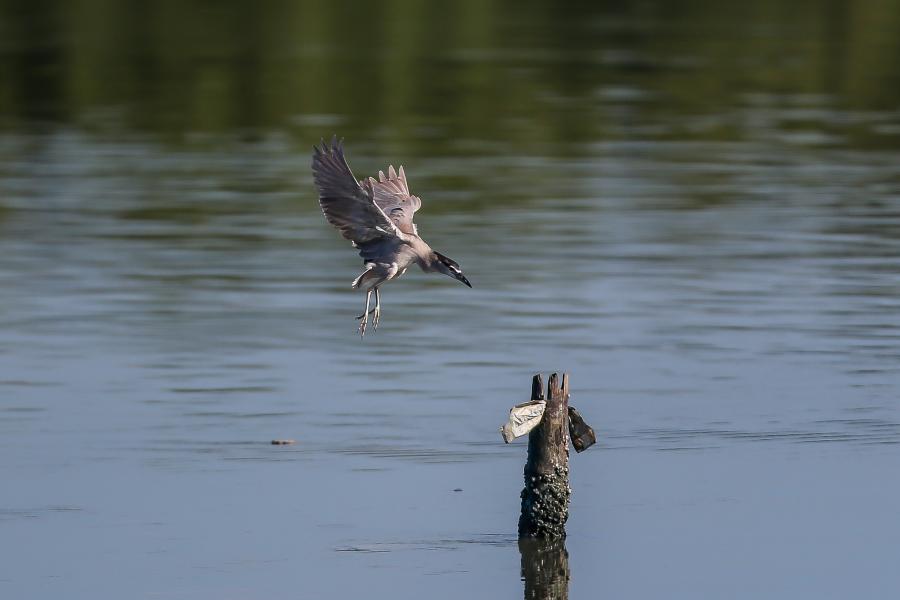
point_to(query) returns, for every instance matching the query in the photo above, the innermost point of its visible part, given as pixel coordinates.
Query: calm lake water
(693, 208)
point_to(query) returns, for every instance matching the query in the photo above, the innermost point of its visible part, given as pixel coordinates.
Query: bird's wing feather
(391, 194)
(347, 205)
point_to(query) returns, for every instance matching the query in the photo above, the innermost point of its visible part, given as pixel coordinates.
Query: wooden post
(545, 498)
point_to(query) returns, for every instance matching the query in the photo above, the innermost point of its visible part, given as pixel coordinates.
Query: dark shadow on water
(545, 569)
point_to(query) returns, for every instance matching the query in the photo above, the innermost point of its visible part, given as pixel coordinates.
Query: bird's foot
(376, 317)
(362, 324)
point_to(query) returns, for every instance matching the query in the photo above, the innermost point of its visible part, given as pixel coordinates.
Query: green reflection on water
(408, 74)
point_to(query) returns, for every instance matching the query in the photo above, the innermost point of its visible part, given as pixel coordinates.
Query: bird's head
(450, 267)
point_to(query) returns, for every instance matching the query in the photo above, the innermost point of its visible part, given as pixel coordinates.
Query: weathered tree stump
(545, 498)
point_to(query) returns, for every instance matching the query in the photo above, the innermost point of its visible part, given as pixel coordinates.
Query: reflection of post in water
(545, 568)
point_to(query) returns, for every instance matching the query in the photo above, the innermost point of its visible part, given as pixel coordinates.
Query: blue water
(721, 279)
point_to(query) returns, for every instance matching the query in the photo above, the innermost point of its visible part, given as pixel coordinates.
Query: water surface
(693, 208)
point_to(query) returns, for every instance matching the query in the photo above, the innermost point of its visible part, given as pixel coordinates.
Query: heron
(376, 215)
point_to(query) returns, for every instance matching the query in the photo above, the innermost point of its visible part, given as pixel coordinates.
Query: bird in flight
(377, 217)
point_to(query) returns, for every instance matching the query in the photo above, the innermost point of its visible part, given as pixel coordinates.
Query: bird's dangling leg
(369, 311)
(364, 316)
(377, 316)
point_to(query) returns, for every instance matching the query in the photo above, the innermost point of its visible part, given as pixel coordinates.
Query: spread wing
(347, 205)
(392, 195)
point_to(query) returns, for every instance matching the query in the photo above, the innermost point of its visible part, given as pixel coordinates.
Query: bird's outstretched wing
(347, 205)
(392, 196)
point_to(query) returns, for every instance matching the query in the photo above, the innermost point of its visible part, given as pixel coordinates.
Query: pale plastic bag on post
(522, 419)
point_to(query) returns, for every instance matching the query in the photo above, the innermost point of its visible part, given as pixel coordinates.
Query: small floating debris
(283, 442)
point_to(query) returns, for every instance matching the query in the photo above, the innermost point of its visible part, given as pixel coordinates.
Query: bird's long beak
(463, 279)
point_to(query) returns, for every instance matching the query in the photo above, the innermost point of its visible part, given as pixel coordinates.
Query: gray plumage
(376, 215)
